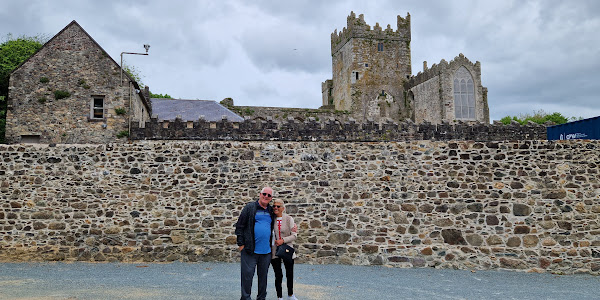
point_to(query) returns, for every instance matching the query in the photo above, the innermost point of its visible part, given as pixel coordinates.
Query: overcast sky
(535, 55)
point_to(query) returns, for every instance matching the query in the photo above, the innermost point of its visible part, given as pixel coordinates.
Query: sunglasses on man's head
(266, 194)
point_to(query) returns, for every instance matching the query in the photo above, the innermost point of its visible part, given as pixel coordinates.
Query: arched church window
(464, 95)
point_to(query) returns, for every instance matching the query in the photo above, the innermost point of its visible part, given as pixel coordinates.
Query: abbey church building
(372, 78)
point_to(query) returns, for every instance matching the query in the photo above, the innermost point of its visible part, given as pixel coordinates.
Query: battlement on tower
(358, 28)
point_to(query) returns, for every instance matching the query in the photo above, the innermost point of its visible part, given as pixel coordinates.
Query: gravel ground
(221, 281)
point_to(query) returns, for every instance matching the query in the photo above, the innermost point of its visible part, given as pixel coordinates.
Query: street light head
(146, 46)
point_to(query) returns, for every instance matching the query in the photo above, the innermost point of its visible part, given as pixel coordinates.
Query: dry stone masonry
(521, 205)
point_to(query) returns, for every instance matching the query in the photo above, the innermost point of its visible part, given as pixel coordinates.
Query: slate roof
(191, 110)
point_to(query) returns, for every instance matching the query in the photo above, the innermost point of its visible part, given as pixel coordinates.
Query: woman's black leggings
(289, 274)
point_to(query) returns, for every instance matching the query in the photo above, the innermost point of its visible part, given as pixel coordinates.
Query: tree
(539, 117)
(137, 76)
(167, 96)
(134, 73)
(13, 52)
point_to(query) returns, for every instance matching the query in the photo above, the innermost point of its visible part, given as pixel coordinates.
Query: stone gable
(51, 95)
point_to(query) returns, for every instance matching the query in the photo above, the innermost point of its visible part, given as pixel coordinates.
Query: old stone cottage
(72, 91)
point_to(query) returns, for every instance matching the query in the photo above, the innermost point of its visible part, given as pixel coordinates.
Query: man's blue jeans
(250, 263)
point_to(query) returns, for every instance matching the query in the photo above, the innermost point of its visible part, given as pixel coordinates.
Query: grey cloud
(291, 48)
(535, 54)
(259, 90)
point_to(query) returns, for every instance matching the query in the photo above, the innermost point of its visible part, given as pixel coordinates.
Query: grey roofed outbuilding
(191, 110)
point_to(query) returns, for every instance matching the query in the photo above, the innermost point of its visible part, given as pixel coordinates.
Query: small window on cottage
(97, 109)
(380, 47)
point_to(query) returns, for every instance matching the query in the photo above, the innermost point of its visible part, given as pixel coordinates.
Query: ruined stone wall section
(331, 129)
(327, 93)
(524, 205)
(427, 100)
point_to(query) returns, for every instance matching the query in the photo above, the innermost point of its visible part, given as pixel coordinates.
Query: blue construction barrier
(587, 129)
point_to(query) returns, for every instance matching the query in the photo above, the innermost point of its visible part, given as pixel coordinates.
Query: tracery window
(464, 95)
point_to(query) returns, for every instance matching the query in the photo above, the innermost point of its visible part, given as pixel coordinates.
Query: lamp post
(146, 46)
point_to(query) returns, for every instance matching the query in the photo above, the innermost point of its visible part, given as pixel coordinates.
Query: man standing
(253, 230)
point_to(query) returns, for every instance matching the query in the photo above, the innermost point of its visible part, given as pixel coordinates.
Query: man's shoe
(292, 297)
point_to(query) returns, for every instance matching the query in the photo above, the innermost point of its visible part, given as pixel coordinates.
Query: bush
(82, 83)
(120, 111)
(539, 117)
(123, 134)
(44, 80)
(61, 94)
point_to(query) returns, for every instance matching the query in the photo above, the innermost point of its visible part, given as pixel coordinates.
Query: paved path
(221, 281)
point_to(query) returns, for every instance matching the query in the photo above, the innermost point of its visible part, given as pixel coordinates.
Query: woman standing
(285, 232)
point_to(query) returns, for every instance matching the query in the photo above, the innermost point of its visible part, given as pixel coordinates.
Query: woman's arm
(293, 235)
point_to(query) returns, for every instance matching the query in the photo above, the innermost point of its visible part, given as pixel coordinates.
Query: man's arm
(240, 226)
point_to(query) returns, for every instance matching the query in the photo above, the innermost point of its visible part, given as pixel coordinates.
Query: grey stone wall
(427, 100)
(283, 114)
(73, 62)
(525, 205)
(331, 130)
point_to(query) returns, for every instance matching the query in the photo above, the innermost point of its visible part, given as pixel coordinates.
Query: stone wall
(427, 100)
(331, 130)
(283, 114)
(523, 205)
